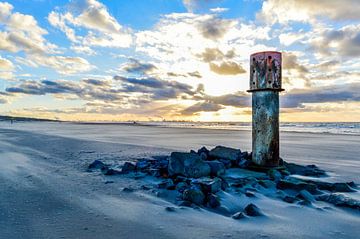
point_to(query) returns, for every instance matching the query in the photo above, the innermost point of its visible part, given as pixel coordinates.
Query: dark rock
(243, 163)
(238, 215)
(108, 182)
(340, 200)
(304, 203)
(226, 162)
(128, 167)
(250, 194)
(306, 196)
(266, 183)
(274, 175)
(203, 156)
(188, 165)
(181, 186)
(109, 171)
(194, 195)
(203, 150)
(143, 165)
(297, 186)
(221, 152)
(308, 170)
(166, 184)
(332, 187)
(289, 199)
(217, 168)
(213, 201)
(97, 164)
(145, 187)
(128, 190)
(252, 210)
(170, 209)
(224, 185)
(208, 185)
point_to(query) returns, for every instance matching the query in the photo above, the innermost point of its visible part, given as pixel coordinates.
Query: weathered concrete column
(265, 85)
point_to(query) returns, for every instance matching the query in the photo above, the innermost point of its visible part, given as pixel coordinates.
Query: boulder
(128, 167)
(217, 168)
(308, 170)
(181, 186)
(238, 215)
(252, 210)
(289, 199)
(208, 185)
(306, 196)
(226, 162)
(340, 200)
(194, 195)
(203, 150)
(203, 156)
(296, 186)
(188, 164)
(274, 175)
(221, 152)
(143, 165)
(213, 201)
(333, 187)
(97, 164)
(243, 163)
(109, 171)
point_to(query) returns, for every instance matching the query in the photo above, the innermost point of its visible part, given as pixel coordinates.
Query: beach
(48, 193)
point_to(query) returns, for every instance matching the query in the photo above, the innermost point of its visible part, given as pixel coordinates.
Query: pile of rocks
(199, 176)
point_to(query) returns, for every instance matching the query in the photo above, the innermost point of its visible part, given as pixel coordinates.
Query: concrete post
(265, 85)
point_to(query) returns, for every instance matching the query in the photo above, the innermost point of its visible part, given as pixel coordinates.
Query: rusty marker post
(265, 85)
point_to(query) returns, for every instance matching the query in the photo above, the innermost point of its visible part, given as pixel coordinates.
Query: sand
(47, 193)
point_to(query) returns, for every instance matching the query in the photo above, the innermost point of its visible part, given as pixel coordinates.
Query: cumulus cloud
(6, 68)
(135, 66)
(215, 28)
(102, 29)
(227, 68)
(284, 11)
(214, 54)
(202, 107)
(333, 93)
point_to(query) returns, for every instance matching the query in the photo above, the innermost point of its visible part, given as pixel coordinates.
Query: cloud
(290, 62)
(202, 107)
(192, 5)
(215, 28)
(214, 54)
(135, 66)
(284, 11)
(344, 42)
(227, 68)
(6, 69)
(91, 16)
(333, 93)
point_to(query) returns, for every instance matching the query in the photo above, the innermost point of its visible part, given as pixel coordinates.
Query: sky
(97, 60)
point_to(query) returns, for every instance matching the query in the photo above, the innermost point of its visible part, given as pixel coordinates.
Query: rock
(342, 187)
(97, 164)
(252, 210)
(170, 209)
(243, 163)
(250, 194)
(340, 200)
(203, 156)
(203, 150)
(128, 190)
(266, 183)
(109, 171)
(208, 185)
(221, 152)
(213, 201)
(217, 168)
(308, 170)
(128, 167)
(143, 165)
(238, 215)
(297, 186)
(166, 184)
(145, 187)
(108, 182)
(181, 186)
(306, 196)
(304, 203)
(289, 199)
(194, 195)
(274, 175)
(188, 165)
(226, 162)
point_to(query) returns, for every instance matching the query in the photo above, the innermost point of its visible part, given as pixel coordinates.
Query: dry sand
(47, 193)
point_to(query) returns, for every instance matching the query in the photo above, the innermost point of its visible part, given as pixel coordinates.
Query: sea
(352, 128)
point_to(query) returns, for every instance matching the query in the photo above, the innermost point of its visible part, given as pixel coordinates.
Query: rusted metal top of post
(265, 71)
